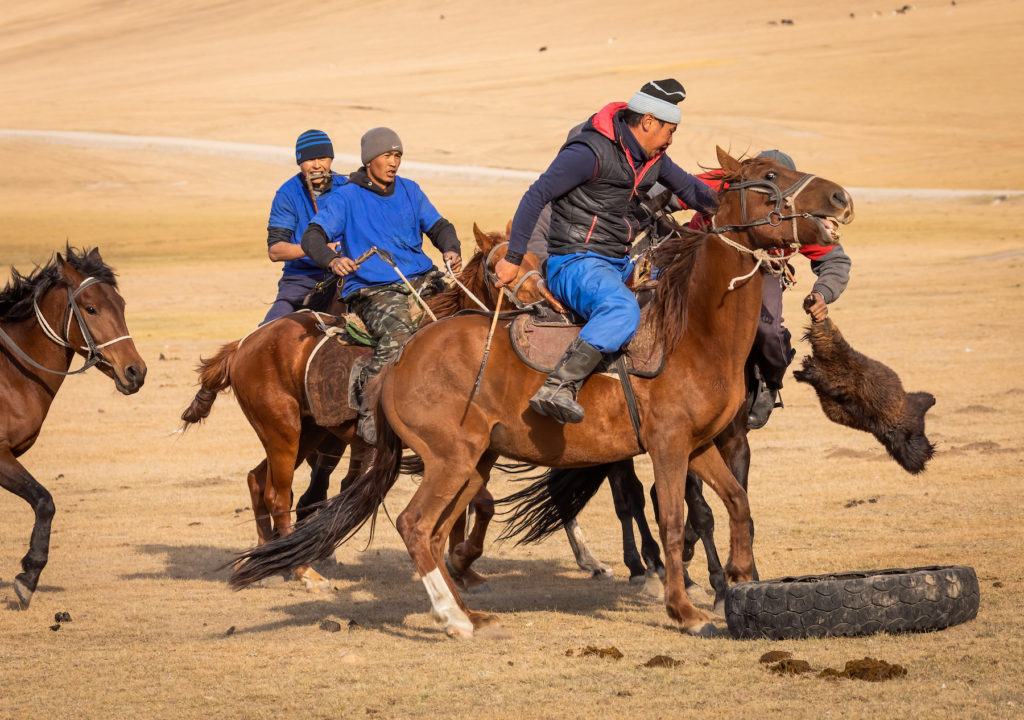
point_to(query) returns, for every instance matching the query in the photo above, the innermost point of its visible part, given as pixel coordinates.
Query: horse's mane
(449, 302)
(17, 297)
(675, 259)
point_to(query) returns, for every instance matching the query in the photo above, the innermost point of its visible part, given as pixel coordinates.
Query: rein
(94, 355)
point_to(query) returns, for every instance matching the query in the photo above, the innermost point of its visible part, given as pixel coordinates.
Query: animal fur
(864, 394)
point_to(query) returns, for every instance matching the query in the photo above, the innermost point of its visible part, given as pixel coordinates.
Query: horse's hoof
(459, 632)
(638, 579)
(719, 608)
(603, 573)
(23, 593)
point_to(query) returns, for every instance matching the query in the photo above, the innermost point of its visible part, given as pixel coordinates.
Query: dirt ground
(906, 109)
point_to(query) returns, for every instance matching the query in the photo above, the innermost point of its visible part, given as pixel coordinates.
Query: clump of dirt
(791, 666)
(612, 652)
(774, 656)
(868, 669)
(662, 661)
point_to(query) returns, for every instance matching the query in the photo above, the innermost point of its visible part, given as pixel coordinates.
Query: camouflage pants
(385, 311)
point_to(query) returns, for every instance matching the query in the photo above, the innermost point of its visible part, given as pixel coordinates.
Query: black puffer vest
(597, 216)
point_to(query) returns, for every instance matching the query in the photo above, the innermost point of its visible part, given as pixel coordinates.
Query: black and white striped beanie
(660, 98)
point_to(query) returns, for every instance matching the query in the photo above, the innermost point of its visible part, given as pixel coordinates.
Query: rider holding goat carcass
(594, 184)
(773, 350)
(379, 220)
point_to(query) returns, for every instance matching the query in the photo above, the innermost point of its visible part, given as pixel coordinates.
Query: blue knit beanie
(313, 144)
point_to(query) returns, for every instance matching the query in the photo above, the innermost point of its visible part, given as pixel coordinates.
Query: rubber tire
(853, 603)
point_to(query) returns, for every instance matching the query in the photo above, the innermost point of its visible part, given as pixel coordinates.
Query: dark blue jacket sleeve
(573, 166)
(687, 188)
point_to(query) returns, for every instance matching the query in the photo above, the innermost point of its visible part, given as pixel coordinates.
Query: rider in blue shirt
(294, 205)
(378, 208)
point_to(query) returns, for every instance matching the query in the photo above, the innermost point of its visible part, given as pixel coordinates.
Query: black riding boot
(366, 427)
(557, 396)
(766, 398)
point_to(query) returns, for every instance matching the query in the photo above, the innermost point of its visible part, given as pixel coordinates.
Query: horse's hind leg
(449, 483)
(618, 483)
(14, 477)
(257, 481)
(464, 550)
(322, 462)
(702, 523)
(623, 474)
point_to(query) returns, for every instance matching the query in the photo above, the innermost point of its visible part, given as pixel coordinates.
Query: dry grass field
(888, 104)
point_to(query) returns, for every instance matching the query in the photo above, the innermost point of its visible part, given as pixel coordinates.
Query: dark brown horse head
(529, 286)
(101, 309)
(781, 207)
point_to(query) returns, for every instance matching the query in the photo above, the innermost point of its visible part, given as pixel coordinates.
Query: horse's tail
(545, 506)
(214, 376)
(336, 521)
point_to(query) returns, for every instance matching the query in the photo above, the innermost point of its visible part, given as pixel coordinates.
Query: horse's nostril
(840, 199)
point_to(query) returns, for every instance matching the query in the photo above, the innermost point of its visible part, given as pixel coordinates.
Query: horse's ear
(65, 270)
(508, 229)
(727, 162)
(483, 240)
(94, 255)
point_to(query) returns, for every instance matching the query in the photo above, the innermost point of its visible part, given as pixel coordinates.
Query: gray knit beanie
(780, 157)
(660, 98)
(378, 141)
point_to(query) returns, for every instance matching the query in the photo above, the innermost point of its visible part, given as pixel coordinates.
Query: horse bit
(94, 356)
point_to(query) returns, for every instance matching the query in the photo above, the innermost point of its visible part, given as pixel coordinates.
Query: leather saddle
(541, 340)
(335, 361)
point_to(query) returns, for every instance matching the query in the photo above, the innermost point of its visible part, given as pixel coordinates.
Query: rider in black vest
(594, 184)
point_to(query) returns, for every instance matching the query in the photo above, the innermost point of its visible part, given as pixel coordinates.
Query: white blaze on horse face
(443, 606)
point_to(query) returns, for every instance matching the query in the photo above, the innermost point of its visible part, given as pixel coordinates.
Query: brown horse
(68, 306)
(267, 371)
(705, 312)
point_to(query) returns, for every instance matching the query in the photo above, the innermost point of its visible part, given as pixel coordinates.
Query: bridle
(511, 293)
(71, 310)
(774, 264)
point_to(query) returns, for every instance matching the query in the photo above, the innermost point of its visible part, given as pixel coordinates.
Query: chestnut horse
(267, 371)
(705, 312)
(68, 306)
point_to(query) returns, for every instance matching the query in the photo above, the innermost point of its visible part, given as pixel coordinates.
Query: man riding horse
(594, 184)
(295, 204)
(379, 212)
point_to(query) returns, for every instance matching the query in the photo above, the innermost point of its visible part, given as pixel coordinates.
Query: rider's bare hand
(342, 266)
(506, 272)
(814, 305)
(454, 259)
